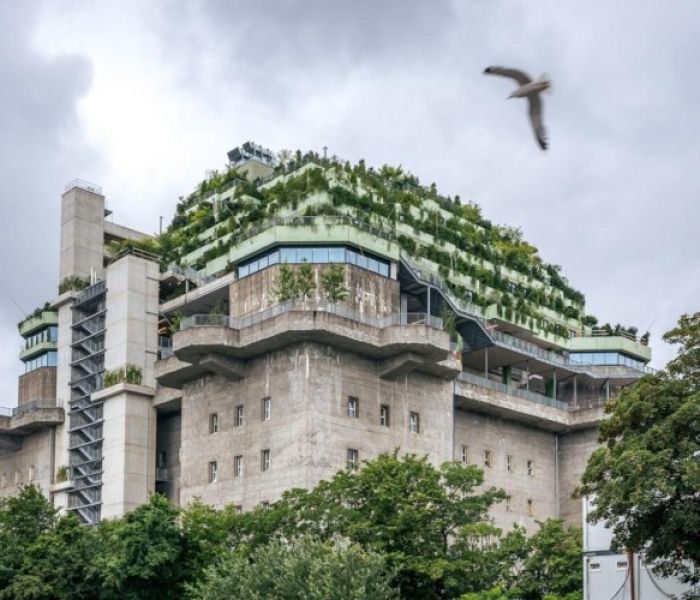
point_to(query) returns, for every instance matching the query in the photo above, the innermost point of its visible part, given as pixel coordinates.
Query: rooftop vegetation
(482, 263)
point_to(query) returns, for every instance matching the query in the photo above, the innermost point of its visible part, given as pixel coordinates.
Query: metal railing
(340, 310)
(90, 292)
(33, 405)
(83, 185)
(532, 349)
(5, 411)
(512, 391)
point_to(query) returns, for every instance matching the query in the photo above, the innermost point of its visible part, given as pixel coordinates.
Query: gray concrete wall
(368, 292)
(309, 431)
(82, 233)
(481, 432)
(39, 384)
(575, 448)
(34, 452)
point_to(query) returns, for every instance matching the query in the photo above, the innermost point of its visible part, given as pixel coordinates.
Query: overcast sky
(144, 97)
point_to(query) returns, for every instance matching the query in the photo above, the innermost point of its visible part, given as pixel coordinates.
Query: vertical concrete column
(82, 233)
(506, 374)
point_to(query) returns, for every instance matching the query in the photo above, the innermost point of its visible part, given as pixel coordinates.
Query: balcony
(44, 319)
(26, 419)
(222, 344)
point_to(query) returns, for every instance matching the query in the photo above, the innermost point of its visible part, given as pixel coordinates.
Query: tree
(284, 287)
(305, 284)
(401, 507)
(58, 566)
(23, 519)
(141, 555)
(646, 477)
(305, 568)
(333, 283)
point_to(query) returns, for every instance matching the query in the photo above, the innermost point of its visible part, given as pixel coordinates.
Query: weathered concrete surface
(39, 384)
(309, 431)
(574, 450)
(368, 293)
(31, 421)
(168, 442)
(32, 458)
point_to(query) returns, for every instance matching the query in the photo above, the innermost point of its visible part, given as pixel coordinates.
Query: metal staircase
(86, 417)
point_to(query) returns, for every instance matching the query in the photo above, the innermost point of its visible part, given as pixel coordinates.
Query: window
(32, 472)
(353, 407)
(464, 454)
(530, 467)
(238, 508)
(238, 466)
(594, 566)
(266, 409)
(384, 415)
(238, 421)
(509, 504)
(18, 478)
(414, 422)
(530, 507)
(509, 463)
(488, 458)
(213, 423)
(3, 480)
(265, 460)
(353, 459)
(265, 504)
(213, 471)
(621, 565)
(161, 460)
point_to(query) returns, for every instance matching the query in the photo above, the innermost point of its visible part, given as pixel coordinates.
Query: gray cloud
(614, 201)
(40, 149)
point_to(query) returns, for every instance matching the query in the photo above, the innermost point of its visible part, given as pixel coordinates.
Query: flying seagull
(527, 89)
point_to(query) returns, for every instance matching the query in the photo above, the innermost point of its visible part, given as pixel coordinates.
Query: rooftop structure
(299, 316)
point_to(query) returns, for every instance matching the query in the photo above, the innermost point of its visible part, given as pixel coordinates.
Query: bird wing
(519, 76)
(536, 120)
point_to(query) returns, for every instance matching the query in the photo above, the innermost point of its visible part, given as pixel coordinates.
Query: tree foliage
(284, 287)
(333, 283)
(305, 568)
(646, 477)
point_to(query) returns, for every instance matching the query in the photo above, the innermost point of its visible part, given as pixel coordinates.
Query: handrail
(90, 292)
(501, 387)
(341, 310)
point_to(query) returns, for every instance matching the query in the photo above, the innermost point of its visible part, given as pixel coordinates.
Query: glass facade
(316, 255)
(606, 358)
(48, 334)
(48, 359)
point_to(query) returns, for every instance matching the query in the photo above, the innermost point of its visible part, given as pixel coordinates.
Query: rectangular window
(384, 415)
(353, 459)
(265, 504)
(530, 467)
(265, 460)
(238, 508)
(530, 507)
(353, 407)
(594, 566)
(238, 466)
(464, 454)
(509, 504)
(488, 458)
(621, 565)
(238, 421)
(32, 472)
(414, 422)
(509, 463)
(266, 409)
(213, 423)
(213, 471)
(162, 460)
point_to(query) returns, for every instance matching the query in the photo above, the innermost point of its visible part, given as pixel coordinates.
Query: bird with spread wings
(527, 88)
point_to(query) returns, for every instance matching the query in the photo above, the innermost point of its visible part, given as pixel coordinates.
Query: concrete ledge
(231, 368)
(120, 388)
(173, 373)
(167, 399)
(30, 421)
(514, 408)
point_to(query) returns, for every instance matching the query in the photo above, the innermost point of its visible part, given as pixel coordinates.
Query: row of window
(316, 255)
(353, 408)
(239, 465)
(239, 415)
(488, 461)
(18, 477)
(47, 359)
(606, 358)
(529, 506)
(48, 334)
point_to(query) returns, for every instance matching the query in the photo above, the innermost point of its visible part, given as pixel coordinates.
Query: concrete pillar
(82, 233)
(575, 392)
(527, 375)
(427, 291)
(486, 363)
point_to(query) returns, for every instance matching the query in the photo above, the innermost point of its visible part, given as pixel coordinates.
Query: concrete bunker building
(177, 365)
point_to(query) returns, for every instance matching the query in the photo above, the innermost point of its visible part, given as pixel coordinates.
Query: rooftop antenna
(18, 306)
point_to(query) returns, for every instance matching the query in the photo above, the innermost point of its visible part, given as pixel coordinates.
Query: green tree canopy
(646, 477)
(305, 568)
